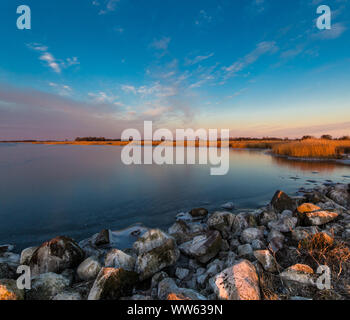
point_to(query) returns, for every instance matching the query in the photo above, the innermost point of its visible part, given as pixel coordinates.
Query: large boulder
(118, 259)
(45, 286)
(203, 247)
(156, 250)
(9, 290)
(89, 269)
(281, 201)
(312, 215)
(238, 282)
(112, 283)
(56, 255)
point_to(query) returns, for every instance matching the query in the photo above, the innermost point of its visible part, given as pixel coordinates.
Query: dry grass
(312, 148)
(256, 144)
(323, 250)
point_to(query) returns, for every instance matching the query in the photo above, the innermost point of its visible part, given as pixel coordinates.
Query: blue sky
(96, 67)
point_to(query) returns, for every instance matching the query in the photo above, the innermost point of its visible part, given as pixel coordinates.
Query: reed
(313, 148)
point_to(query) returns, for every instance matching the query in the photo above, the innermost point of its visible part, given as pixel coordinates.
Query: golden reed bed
(310, 148)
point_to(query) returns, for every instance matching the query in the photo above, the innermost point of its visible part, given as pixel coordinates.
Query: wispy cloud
(161, 44)
(61, 89)
(197, 59)
(106, 6)
(56, 65)
(262, 48)
(335, 32)
(203, 17)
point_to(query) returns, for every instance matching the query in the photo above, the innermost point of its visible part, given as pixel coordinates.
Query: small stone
(181, 273)
(102, 238)
(228, 206)
(266, 259)
(199, 213)
(245, 251)
(251, 234)
(284, 224)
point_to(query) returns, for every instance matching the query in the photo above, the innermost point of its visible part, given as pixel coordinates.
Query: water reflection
(47, 191)
(307, 166)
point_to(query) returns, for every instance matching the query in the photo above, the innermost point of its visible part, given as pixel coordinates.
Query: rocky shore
(272, 253)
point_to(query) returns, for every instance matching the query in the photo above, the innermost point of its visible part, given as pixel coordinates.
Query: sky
(97, 67)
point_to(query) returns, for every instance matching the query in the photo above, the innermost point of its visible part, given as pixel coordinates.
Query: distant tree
(307, 137)
(327, 137)
(90, 139)
(345, 138)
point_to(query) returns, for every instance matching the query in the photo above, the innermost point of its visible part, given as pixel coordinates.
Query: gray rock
(239, 224)
(26, 255)
(47, 285)
(156, 250)
(221, 221)
(258, 245)
(118, 259)
(301, 233)
(266, 259)
(181, 273)
(112, 284)
(102, 238)
(204, 247)
(228, 206)
(168, 287)
(284, 224)
(89, 269)
(266, 216)
(250, 234)
(281, 201)
(245, 251)
(56, 255)
(298, 279)
(68, 295)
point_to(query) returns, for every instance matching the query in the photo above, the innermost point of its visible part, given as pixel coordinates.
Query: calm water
(47, 191)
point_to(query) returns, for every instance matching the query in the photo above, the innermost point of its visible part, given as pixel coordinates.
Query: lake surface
(51, 190)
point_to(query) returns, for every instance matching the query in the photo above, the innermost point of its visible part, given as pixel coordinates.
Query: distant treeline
(79, 139)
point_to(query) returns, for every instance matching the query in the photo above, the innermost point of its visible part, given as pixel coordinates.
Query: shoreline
(200, 250)
(345, 160)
